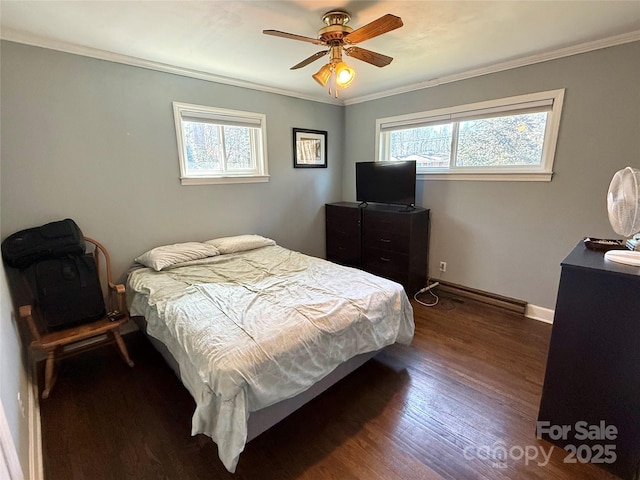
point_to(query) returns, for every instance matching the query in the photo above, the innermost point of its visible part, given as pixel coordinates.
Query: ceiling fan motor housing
(334, 33)
(336, 28)
(336, 17)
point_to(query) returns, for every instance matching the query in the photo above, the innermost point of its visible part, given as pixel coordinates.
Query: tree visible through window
(515, 135)
(429, 146)
(210, 146)
(510, 140)
(220, 146)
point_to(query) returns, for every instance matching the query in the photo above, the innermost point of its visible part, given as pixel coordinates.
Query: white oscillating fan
(623, 204)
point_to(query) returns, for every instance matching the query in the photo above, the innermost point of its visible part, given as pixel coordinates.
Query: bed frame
(263, 419)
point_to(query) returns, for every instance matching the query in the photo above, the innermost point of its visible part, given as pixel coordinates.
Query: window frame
(223, 116)
(550, 101)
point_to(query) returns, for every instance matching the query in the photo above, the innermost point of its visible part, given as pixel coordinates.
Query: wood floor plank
(441, 408)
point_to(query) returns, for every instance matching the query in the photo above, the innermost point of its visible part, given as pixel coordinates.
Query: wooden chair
(71, 341)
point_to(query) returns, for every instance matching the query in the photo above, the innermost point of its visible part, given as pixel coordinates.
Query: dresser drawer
(343, 229)
(390, 240)
(386, 221)
(341, 248)
(342, 219)
(343, 236)
(391, 265)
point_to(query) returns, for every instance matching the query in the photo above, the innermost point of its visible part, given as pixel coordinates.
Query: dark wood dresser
(343, 233)
(592, 381)
(388, 241)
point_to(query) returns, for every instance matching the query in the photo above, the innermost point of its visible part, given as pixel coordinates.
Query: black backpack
(67, 290)
(54, 239)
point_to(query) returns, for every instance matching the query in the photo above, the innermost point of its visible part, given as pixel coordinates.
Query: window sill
(222, 180)
(488, 177)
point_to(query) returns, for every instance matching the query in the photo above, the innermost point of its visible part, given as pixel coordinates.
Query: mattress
(253, 328)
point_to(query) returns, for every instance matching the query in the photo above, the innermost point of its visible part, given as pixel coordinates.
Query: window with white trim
(217, 145)
(506, 139)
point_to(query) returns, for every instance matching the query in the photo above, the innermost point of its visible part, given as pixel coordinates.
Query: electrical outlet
(443, 266)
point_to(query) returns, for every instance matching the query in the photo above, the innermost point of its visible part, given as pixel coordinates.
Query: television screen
(386, 182)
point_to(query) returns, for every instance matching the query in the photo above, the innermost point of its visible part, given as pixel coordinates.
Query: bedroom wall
(13, 382)
(510, 237)
(95, 141)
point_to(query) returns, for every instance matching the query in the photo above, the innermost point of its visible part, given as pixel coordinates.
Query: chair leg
(121, 347)
(49, 378)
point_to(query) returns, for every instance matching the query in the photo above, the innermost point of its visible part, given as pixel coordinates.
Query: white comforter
(254, 328)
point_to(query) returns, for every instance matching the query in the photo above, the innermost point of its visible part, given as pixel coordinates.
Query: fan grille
(623, 202)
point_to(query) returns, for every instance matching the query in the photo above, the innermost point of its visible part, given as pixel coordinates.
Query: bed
(255, 330)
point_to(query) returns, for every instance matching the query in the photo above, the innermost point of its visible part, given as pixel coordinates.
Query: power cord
(427, 289)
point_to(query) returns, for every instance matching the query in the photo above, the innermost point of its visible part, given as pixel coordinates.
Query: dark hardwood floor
(459, 403)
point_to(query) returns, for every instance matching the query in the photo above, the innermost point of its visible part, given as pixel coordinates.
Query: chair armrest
(25, 312)
(118, 288)
(120, 295)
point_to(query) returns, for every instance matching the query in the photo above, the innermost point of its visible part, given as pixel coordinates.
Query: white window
(506, 139)
(216, 145)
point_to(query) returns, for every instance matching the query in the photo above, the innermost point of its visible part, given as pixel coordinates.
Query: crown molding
(18, 37)
(35, 41)
(499, 67)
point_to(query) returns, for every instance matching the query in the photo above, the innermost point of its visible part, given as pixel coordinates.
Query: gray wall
(95, 141)
(13, 378)
(510, 237)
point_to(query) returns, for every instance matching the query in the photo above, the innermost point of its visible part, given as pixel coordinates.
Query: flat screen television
(393, 183)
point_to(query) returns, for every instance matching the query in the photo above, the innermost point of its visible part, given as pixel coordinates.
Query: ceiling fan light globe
(322, 75)
(344, 74)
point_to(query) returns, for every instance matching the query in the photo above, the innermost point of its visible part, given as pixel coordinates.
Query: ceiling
(222, 40)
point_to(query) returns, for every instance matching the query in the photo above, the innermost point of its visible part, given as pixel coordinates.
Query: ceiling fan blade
(312, 58)
(374, 58)
(384, 24)
(293, 36)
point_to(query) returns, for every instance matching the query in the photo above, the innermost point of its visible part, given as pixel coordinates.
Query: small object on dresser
(634, 243)
(115, 315)
(604, 244)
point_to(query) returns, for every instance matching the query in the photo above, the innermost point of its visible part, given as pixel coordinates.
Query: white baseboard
(36, 471)
(539, 313)
(10, 467)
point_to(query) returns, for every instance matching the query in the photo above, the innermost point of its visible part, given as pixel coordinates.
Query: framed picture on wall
(309, 148)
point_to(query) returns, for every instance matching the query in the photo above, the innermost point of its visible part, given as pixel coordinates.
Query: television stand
(401, 208)
(381, 239)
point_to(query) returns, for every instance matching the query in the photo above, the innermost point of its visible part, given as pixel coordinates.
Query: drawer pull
(385, 259)
(385, 240)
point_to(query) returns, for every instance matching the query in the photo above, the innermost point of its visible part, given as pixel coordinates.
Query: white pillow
(167, 255)
(239, 243)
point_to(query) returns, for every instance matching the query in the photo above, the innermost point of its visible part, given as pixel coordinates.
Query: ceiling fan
(341, 38)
